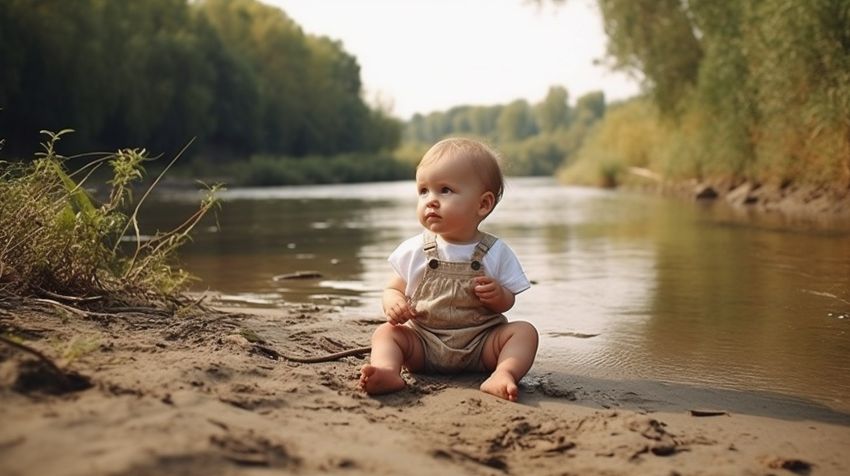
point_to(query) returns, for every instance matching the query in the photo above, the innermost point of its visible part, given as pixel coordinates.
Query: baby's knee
(526, 330)
(389, 331)
(385, 329)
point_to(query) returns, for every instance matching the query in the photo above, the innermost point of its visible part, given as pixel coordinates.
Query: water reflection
(748, 306)
(240, 251)
(672, 291)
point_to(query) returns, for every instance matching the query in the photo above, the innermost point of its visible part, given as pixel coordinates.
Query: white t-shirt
(500, 263)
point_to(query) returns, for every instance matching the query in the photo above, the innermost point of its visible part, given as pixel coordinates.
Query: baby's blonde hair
(484, 160)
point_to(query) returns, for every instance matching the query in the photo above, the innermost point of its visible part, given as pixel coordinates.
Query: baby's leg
(508, 351)
(392, 347)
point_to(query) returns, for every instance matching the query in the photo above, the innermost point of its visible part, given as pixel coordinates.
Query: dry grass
(57, 242)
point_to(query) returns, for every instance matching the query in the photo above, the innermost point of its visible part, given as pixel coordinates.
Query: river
(625, 285)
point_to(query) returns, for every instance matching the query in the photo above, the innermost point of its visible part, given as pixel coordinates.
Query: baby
(452, 283)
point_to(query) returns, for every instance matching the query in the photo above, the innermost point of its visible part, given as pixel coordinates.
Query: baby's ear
(486, 204)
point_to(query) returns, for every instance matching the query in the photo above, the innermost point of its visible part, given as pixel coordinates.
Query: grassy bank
(635, 135)
(753, 92)
(59, 242)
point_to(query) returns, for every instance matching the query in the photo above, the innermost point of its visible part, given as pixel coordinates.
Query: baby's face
(452, 199)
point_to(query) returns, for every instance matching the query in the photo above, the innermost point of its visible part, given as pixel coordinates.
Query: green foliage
(516, 122)
(54, 238)
(236, 75)
(655, 37)
(553, 112)
(629, 136)
(753, 89)
(534, 139)
(799, 65)
(590, 107)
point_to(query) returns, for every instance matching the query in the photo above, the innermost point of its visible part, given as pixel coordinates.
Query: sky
(430, 55)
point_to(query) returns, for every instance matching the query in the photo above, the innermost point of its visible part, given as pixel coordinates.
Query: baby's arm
(493, 295)
(396, 307)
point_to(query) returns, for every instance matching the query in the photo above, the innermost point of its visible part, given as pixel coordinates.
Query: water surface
(673, 291)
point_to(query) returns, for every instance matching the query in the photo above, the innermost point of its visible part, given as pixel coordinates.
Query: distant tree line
(535, 139)
(240, 76)
(743, 89)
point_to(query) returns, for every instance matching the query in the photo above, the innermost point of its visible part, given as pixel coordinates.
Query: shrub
(56, 240)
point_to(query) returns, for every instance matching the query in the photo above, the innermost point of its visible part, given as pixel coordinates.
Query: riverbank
(829, 204)
(210, 395)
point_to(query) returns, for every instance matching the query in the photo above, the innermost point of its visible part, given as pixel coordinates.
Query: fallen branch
(199, 303)
(145, 310)
(68, 298)
(271, 353)
(70, 309)
(79, 312)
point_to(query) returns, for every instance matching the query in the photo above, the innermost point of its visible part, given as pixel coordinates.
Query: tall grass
(57, 240)
(699, 145)
(628, 136)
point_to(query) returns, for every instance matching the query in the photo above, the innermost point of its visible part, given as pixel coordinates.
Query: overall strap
(429, 245)
(483, 246)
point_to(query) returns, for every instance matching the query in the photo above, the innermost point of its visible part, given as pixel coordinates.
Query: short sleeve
(507, 269)
(407, 260)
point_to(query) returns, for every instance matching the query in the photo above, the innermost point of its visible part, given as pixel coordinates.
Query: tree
(554, 111)
(752, 89)
(516, 121)
(657, 38)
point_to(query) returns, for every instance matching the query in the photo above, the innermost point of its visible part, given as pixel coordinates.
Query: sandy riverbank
(789, 203)
(199, 396)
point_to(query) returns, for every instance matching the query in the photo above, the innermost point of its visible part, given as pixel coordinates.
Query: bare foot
(377, 380)
(502, 385)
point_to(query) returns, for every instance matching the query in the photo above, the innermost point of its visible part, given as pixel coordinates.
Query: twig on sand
(113, 312)
(141, 309)
(66, 307)
(199, 303)
(268, 351)
(68, 298)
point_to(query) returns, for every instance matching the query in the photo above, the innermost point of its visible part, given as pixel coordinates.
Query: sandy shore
(203, 395)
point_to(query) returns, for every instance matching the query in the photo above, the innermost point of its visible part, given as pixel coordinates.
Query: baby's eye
(423, 191)
(445, 190)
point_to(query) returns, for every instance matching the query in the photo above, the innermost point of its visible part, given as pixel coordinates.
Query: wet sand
(210, 395)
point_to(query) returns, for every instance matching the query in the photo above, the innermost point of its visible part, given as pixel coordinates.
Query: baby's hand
(487, 290)
(400, 312)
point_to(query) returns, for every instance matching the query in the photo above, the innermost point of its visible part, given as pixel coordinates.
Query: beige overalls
(451, 321)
